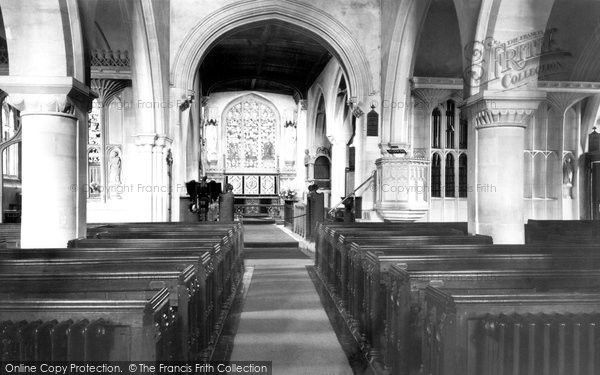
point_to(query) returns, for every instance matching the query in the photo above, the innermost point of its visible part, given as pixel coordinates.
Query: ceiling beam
(314, 71)
(264, 39)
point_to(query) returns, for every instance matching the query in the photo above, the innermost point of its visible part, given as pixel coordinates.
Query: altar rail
(275, 211)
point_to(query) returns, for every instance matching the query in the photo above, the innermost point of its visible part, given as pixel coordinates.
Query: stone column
(51, 183)
(301, 146)
(496, 140)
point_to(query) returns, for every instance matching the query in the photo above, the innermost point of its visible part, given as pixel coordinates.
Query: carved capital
(47, 94)
(502, 117)
(41, 103)
(511, 108)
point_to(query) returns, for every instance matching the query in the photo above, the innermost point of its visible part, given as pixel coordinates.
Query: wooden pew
(366, 287)
(327, 233)
(11, 234)
(131, 277)
(336, 268)
(352, 295)
(237, 228)
(216, 292)
(67, 329)
(229, 262)
(404, 318)
(562, 231)
(509, 332)
(330, 248)
(370, 287)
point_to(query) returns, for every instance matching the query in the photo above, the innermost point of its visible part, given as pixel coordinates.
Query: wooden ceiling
(269, 57)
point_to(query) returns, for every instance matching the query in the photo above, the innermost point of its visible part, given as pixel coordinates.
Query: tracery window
(95, 154)
(444, 152)
(450, 119)
(436, 176)
(462, 176)
(449, 176)
(251, 129)
(437, 127)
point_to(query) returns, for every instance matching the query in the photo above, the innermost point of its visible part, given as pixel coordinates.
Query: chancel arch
(302, 17)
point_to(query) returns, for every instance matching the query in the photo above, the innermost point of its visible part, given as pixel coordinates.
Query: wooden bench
(327, 233)
(562, 231)
(509, 332)
(11, 234)
(335, 269)
(405, 303)
(219, 285)
(229, 270)
(173, 227)
(67, 329)
(365, 291)
(369, 290)
(329, 245)
(189, 295)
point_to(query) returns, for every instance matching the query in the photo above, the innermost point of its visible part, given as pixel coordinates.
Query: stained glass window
(94, 151)
(251, 126)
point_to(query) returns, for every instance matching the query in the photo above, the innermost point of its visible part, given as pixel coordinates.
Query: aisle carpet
(282, 319)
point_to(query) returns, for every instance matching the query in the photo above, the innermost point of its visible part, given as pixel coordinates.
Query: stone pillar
(301, 145)
(496, 139)
(52, 185)
(49, 167)
(142, 197)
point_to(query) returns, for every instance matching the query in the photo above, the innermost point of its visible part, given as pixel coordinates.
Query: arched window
(322, 173)
(436, 176)
(436, 117)
(463, 136)
(462, 176)
(251, 130)
(95, 150)
(450, 113)
(449, 176)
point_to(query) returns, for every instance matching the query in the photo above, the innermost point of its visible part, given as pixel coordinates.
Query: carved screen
(251, 126)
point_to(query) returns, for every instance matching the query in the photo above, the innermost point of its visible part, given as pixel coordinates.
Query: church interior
(301, 186)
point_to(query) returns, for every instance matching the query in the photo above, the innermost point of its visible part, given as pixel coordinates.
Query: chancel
(314, 186)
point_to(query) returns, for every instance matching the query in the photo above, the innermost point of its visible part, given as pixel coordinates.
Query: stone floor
(282, 315)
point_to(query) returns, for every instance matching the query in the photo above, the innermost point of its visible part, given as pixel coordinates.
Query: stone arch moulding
(321, 25)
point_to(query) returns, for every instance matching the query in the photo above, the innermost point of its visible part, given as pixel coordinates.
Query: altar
(255, 194)
(256, 143)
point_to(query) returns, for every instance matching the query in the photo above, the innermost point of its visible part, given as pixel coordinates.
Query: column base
(503, 234)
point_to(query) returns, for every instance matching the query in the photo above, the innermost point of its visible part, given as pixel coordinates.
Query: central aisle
(282, 319)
